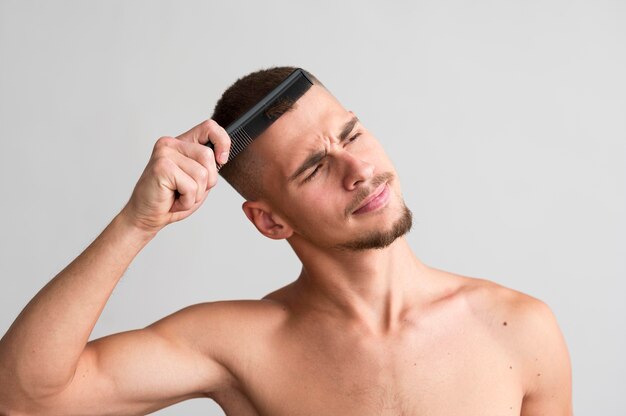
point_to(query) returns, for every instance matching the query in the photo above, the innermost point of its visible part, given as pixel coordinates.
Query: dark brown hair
(244, 173)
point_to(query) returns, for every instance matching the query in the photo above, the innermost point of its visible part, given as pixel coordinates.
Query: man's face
(320, 196)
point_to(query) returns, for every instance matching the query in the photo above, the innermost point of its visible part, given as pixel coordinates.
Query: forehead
(286, 143)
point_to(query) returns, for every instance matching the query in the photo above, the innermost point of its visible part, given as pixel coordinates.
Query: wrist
(136, 233)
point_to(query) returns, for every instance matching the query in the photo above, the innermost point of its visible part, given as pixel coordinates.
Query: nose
(356, 170)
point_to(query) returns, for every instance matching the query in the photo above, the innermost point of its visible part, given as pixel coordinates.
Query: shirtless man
(365, 329)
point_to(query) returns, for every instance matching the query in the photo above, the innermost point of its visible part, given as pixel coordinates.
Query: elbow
(21, 398)
(5, 411)
(24, 379)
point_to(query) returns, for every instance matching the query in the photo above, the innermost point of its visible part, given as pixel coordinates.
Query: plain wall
(505, 121)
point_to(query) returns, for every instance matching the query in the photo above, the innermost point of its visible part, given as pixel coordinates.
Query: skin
(359, 332)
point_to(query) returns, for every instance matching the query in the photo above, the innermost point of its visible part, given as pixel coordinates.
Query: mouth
(375, 200)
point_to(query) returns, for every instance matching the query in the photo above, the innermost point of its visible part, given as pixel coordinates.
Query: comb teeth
(239, 140)
(255, 120)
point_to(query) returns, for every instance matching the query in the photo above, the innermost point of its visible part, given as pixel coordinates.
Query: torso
(456, 357)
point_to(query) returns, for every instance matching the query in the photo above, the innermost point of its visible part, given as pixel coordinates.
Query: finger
(199, 153)
(186, 187)
(211, 134)
(205, 179)
(171, 161)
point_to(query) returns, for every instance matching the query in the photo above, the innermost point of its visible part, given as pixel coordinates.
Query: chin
(381, 238)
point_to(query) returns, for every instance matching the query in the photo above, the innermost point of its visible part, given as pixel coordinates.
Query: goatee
(381, 239)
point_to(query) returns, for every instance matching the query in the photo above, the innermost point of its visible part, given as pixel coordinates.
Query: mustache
(363, 193)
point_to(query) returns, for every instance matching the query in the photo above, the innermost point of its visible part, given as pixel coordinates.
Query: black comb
(256, 120)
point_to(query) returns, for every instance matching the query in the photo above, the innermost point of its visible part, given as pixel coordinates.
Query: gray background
(505, 120)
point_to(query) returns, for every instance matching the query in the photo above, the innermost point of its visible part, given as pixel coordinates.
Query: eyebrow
(316, 157)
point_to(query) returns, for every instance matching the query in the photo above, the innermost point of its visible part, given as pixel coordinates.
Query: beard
(381, 239)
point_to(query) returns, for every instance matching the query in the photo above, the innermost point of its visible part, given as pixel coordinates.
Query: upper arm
(140, 371)
(548, 374)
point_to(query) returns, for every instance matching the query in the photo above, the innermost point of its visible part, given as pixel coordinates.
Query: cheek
(314, 208)
(382, 162)
(381, 155)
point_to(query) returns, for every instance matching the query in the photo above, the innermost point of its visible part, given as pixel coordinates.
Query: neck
(370, 287)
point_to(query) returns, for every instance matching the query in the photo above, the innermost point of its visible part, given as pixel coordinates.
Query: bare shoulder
(223, 314)
(526, 317)
(490, 300)
(528, 328)
(486, 297)
(223, 329)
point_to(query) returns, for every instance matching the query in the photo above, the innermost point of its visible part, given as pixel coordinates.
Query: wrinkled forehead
(316, 116)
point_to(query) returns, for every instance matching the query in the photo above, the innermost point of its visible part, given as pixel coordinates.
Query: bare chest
(448, 370)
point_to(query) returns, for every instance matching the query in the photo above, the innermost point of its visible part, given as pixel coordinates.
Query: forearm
(40, 351)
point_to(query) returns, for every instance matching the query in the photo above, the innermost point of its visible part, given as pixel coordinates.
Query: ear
(266, 221)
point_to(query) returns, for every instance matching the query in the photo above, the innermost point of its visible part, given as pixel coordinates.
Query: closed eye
(353, 138)
(314, 173)
(308, 178)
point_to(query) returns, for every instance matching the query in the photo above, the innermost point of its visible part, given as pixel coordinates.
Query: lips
(372, 196)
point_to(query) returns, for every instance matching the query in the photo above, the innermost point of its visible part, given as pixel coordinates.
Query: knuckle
(212, 181)
(162, 164)
(209, 125)
(159, 152)
(218, 132)
(203, 173)
(207, 159)
(227, 140)
(164, 141)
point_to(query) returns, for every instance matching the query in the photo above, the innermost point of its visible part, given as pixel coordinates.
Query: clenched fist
(181, 172)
